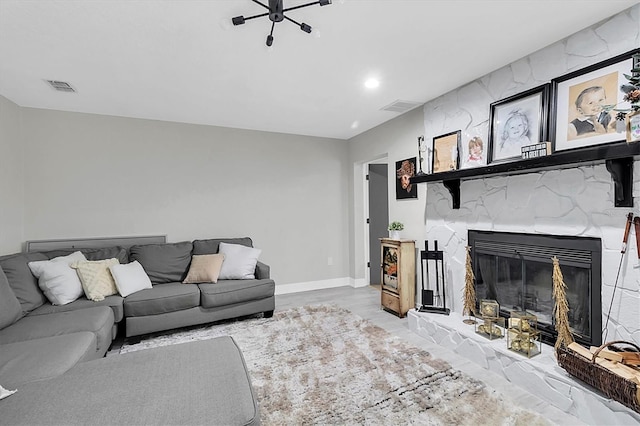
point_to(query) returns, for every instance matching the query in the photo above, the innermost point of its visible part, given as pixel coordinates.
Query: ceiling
(183, 61)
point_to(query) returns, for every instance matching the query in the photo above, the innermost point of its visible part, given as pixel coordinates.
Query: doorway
(378, 217)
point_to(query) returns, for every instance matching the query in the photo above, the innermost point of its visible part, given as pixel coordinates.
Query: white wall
(11, 182)
(575, 202)
(93, 175)
(397, 140)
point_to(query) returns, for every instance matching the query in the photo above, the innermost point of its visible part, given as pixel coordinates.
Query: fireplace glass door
(518, 275)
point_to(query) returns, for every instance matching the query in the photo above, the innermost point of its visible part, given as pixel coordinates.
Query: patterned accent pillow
(96, 278)
(204, 269)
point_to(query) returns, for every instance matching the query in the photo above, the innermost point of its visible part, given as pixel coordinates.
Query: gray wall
(93, 175)
(11, 181)
(394, 140)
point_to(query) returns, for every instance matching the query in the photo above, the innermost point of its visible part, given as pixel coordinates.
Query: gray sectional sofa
(39, 340)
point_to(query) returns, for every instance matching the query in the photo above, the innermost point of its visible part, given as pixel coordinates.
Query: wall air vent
(401, 106)
(61, 86)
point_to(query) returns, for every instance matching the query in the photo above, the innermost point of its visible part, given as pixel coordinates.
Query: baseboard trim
(320, 285)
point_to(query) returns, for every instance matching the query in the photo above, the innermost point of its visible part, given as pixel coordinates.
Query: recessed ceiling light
(355, 124)
(372, 83)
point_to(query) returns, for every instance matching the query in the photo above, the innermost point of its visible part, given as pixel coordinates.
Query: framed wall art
(518, 121)
(406, 169)
(585, 104)
(445, 152)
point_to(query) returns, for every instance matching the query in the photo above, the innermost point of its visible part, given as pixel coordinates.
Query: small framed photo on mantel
(445, 152)
(518, 121)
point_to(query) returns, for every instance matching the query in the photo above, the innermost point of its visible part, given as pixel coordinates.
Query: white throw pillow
(239, 262)
(57, 280)
(130, 278)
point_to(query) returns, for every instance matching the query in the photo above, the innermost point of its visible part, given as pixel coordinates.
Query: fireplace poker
(636, 223)
(625, 238)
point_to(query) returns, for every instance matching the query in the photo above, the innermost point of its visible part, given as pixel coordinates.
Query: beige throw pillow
(96, 278)
(204, 268)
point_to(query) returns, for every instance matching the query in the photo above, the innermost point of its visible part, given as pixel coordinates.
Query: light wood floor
(365, 302)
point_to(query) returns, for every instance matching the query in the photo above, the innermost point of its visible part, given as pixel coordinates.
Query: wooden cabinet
(398, 275)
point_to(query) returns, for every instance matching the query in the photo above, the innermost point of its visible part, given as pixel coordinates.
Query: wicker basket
(612, 385)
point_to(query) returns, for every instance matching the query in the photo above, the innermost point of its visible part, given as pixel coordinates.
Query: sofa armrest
(262, 271)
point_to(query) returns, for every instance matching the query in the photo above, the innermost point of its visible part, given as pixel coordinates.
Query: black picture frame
(517, 121)
(446, 152)
(406, 169)
(570, 127)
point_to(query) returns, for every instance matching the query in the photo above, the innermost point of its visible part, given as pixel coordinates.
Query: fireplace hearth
(515, 269)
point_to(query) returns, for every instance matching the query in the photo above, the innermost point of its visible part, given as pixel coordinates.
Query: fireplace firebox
(515, 269)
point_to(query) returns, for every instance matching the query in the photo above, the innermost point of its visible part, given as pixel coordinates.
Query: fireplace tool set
(625, 239)
(434, 301)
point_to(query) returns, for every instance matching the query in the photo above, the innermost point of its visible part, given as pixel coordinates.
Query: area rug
(325, 365)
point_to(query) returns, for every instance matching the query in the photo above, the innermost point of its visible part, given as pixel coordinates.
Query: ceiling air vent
(401, 106)
(61, 86)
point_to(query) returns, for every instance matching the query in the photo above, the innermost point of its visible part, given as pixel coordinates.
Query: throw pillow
(239, 262)
(204, 269)
(130, 278)
(57, 280)
(96, 278)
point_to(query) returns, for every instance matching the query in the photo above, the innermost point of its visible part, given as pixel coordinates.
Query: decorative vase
(394, 235)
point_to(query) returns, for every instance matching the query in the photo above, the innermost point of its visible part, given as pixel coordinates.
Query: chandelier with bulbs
(276, 14)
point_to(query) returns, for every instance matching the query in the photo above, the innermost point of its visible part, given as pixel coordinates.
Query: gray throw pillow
(211, 246)
(104, 253)
(22, 282)
(10, 309)
(163, 263)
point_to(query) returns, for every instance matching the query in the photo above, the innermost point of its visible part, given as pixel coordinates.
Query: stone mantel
(539, 375)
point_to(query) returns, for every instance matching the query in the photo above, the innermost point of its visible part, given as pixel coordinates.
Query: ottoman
(203, 382)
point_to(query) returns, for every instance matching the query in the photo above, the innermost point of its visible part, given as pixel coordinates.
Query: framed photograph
(405, 169)
(585, 102)
(518, 121)
(473, 150)
(445, 152)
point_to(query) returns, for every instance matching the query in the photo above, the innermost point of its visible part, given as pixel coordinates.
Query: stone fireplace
(569, 204)
(516, 270)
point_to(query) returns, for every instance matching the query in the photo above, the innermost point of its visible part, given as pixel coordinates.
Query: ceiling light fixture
(276, 14)
(372, 83)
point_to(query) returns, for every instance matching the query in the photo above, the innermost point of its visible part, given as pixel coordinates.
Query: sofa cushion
(204, 268)
(56, 278)
(98, 320)
(195, 383)
(116, 252)
(211, 246)
(230, 292)
(130, 278)
(10, 309)
(239, 261)
(161, 299)
(97, 281)
(115, 302)
(164, 263)
(41, 359)
(22, 281)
